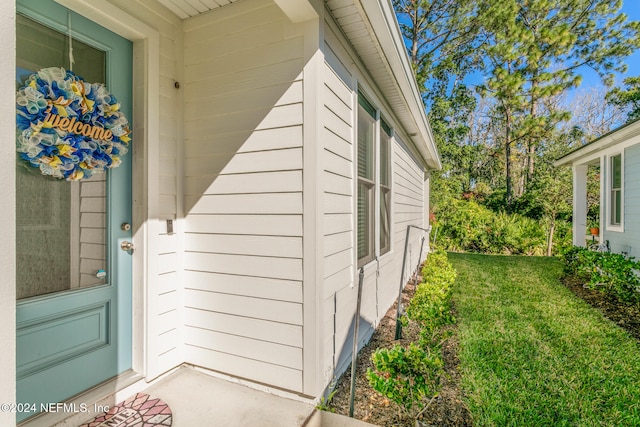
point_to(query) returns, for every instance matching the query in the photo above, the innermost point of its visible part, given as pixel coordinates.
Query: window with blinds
(374, 182)
(385, 188)
(366, 180)
(616, 190)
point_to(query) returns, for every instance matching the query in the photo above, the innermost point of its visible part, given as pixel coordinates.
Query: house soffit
(375, 37)
(187, 8)
(381, 51)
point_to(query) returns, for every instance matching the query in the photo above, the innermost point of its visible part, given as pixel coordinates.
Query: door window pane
(60, 225)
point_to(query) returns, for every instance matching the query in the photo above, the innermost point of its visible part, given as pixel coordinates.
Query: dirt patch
(447, 409)
(625, 315)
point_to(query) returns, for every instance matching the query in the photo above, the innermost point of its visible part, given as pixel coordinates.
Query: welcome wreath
(68, 128)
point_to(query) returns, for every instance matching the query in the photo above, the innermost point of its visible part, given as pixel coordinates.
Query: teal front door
(73, 277)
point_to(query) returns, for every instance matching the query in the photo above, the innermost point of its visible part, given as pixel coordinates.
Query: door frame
(146, 161)
(145, 183)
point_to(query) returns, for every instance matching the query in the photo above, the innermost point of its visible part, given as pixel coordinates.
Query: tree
(536, 50)
(627, 97)
(442, 43)
(551, 188)
(441, 38)
(592, 114)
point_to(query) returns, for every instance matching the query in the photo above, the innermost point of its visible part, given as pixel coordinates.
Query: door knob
(127, 246)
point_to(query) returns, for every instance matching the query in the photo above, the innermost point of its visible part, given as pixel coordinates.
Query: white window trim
(365, 261)
(619, 228)
(380, 186)
(370, 257)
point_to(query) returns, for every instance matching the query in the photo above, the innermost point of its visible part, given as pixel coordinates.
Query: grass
(533, 354)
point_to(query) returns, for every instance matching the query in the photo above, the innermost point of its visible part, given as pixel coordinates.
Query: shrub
(465, 225)
(430, 306)
(614, 274)
(406, 376)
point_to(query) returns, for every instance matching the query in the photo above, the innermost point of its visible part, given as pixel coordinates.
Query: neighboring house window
(616, 190)
(374, 182)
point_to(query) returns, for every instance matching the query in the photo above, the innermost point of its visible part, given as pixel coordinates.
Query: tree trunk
(552, 230)
(531, 160)
(507, 155)
(531, 143)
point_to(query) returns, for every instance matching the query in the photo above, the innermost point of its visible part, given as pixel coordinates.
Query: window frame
(614, 224)
(384, 192)
(377, 238)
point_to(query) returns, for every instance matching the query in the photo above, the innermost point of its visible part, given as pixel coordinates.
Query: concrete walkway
(198, 399)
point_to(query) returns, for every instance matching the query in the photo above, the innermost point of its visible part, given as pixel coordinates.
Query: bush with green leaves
(465, 225)
(406, 376)
(430, 306)
(612, 273)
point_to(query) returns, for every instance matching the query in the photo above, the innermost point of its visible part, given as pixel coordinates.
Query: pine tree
(628, 97)
(536, 50)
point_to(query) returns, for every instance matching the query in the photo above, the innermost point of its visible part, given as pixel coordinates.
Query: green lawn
(532, 354)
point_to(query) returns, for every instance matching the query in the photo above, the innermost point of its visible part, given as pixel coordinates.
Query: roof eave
(610, 139)
(382, 17)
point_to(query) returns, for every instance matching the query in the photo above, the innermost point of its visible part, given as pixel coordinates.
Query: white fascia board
(383, 19)
(587, 152)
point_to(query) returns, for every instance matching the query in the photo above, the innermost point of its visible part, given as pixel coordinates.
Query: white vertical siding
(243, 193)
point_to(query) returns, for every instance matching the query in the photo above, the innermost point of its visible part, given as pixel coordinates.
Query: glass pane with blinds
(366, 134)
(385, 220)
(385, 163)
(366, 176)
(60, 226)
(365, 222)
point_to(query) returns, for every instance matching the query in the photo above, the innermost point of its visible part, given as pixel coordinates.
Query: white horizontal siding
(259, 329)
(408, 209)
(255, 266)
(381, 278)
(92, 248)
(257, 161)
(239, 305)
(337, 136)
(243, 367)
(243, 193)
(233, 284)
(265, 246)
(248, 183)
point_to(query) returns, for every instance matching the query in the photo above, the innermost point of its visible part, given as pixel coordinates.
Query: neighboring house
(277, 147)
(617, 155)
